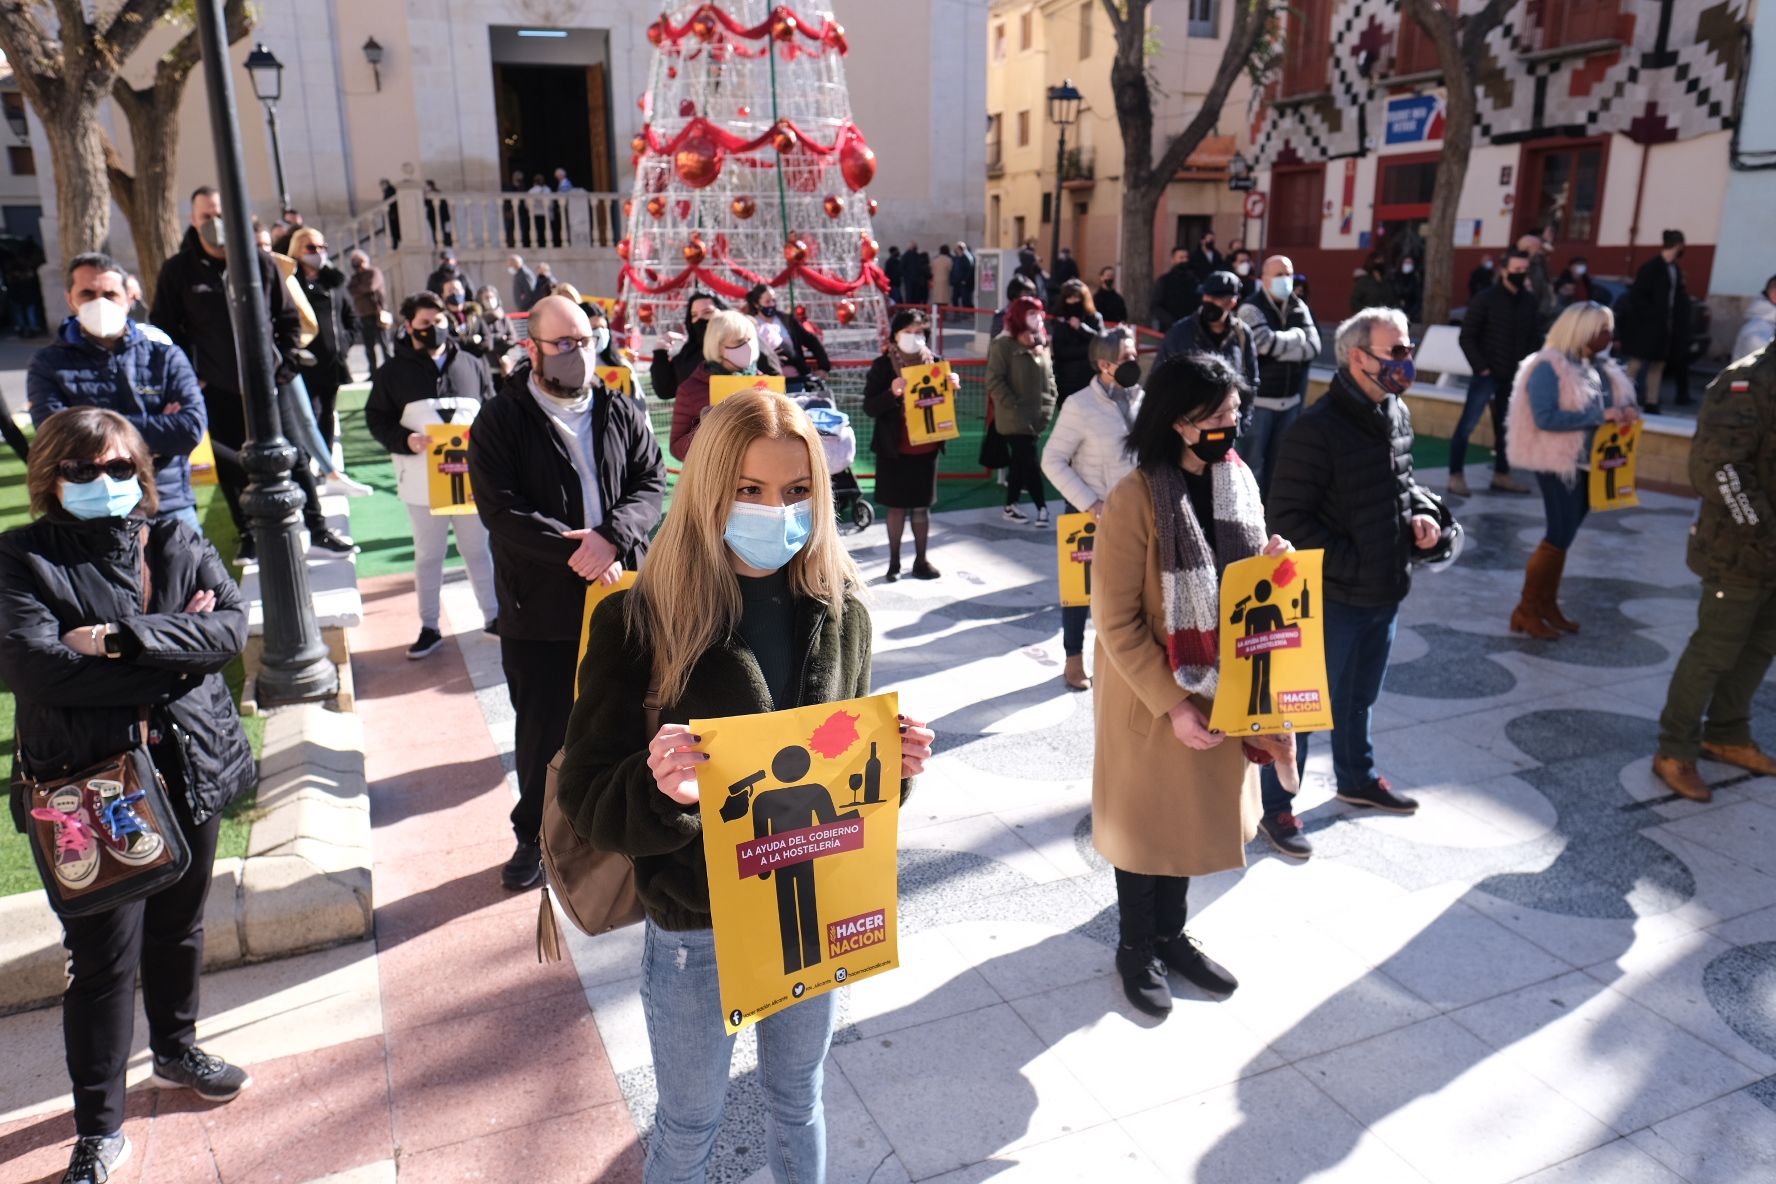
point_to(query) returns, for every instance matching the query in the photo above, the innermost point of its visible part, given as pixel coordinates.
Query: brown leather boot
(1077, 679)
(1682, 777)
(1744, 756)
(1538, 581)
(1551, 608)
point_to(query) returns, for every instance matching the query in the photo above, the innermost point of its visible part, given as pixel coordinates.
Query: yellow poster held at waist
(617, 378)
(1273, 647)
(447, 469)
(595, 595)
(801, 819)
(203, 462)
(930, 404)
(721, 386)
(1614, 453)
(1075, 535)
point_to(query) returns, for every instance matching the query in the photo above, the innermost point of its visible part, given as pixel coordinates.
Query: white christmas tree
(749, 169)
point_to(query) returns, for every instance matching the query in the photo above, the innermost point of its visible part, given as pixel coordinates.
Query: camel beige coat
(1158, 807)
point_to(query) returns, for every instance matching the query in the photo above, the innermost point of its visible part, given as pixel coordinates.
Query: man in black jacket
(1108, 301)
(1205, 261)
(789, 342)
(916, 275)
(191, 305)
(569, 480)
(1175, 296)
(962, 276)
(1216, 330)
(1344, 484)
(1657, 308)
(1501, 328)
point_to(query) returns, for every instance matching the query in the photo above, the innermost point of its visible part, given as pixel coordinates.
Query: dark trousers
(376, 343)
(1150, 908)
(1358, 641)
(162, 937)
(1721, 670)
(540, 680)
(1483, 394)
(1025, 471)
(1566, 506)
(227, 438)
(323, 393)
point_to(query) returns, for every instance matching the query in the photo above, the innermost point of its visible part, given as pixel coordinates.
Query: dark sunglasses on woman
(83, 471)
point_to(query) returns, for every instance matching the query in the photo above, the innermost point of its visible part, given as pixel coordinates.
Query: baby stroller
(839, 442)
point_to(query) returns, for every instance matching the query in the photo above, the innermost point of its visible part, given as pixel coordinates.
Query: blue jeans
(1358, 641)
(1566, 507)
(1483, 392)
(682, 1002)
(1259, 446)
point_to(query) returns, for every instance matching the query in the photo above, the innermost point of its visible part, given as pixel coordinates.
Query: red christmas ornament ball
(682, 207)
(834, 205)
(656, 34)
(687, 108)
(657, 206)
(672, 71)
(784, 138)
(856, 162)
(698, 160)
(694, 251)
(846, 312)
(628, 209)
(623, 250)
(744, 111)
(638, 145)
(645, 314)
(743, 207)
(795, 251)
(704, 27)
(870, 249)
(835, 37)
(872, 207)
(783, 25)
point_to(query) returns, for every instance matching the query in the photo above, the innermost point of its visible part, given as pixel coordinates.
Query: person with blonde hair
(730, 346)
(749, 603)
(1561, 395)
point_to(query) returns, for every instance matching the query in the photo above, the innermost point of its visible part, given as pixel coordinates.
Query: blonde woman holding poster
(748, 603)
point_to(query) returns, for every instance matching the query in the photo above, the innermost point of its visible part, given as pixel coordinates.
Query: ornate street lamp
(268, 84)
(373, 55)
(1063, 111)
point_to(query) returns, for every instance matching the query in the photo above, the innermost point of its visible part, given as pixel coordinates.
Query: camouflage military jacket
(1733, 467)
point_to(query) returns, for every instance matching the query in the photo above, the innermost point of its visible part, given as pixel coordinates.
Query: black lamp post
(268, 83)
(295, 664)
(1063, 110)
(373, 55)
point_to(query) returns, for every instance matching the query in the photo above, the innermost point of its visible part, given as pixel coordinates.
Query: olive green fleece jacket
(606, 788)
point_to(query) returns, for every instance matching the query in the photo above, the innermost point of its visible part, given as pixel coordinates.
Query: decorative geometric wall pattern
(1673, 79)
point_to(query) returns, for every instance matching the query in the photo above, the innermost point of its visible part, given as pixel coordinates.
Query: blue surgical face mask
(766, 538)
(1281, 286)
(601, 338)
(101, 498)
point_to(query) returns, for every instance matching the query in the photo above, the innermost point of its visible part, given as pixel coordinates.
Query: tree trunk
(83, 194)
(1134, 119)
(147, 197)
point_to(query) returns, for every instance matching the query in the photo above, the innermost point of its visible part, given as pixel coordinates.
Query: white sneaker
(1013, 514)
(1041, 515)
(339, 483)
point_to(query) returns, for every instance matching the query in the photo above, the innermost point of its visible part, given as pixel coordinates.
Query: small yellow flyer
(723, 385)
(595, 594)
(1273, 647)
(203, 462)
(617, 378)
(801, 821)
(1614, 452)
(1075, 535)
(447, 469)
(930, 404)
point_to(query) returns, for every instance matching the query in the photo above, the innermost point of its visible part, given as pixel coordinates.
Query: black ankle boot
(1183, 955)
(1144, 979)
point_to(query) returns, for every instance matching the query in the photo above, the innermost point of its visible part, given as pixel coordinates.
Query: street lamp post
(295, 664)
(1063, 109)
(268, 84)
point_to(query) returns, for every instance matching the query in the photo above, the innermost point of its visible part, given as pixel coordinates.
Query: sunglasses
(82, 472)
(1398, 353)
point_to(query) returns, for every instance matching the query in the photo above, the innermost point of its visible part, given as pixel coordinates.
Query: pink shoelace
(72, 832)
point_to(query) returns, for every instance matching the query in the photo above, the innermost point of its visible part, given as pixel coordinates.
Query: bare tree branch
(1117, 19)
(1241, 39)
(126, 31)
(28, 46)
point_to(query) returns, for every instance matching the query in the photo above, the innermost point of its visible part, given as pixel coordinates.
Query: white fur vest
(1532, 447)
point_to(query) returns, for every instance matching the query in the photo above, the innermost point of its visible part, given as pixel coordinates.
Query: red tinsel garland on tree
(782, 24)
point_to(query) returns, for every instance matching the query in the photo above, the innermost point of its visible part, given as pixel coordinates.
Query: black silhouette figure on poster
(786, 808)
(868, 782)
(1615, 457)
(928, 398)
(454, 460)
(1263, 617)
(1083, 540)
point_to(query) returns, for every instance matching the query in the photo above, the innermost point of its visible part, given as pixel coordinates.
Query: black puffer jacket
(1072, 349)
(528, 494)
(57, 574)
(1343, 482)
(1501, 328)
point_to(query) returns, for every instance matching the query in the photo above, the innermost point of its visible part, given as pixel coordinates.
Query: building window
(1575, 22)
(995, 143)
(1085, 29)
(1023, 129)
(1414, 51)
(1296, 194)
(1018, 230)
(1047, 208)
(1404, 188)
(993, 221)
(999, 42)
(1202, 18)
(1026, 30)
(22, 160)
(1306, 46)
(1564, 190)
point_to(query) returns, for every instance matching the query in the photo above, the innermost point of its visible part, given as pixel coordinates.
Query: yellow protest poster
(930, 404)
(203, 462)
(1614, 451)
(595, 594)
(801, 820)
(617, 378)
(723, 385)
(1074, 536)
(447, 469)
(1273, 647)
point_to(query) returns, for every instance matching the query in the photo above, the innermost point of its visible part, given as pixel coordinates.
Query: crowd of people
(117, 616)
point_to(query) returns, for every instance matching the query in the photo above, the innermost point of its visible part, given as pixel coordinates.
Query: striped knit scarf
(1190, 577)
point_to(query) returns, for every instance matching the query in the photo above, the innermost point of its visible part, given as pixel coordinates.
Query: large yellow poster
(721, 386)
(930, 404)
(1273, 647)
(801, 820)
(617, 378)
(447, 469)
(1614, 451)
(1075, 535)
(595, 594)
(203, 462)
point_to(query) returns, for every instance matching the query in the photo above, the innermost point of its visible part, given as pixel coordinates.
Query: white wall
(1748, 217)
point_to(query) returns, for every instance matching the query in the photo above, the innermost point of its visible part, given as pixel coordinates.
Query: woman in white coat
(1086, 456)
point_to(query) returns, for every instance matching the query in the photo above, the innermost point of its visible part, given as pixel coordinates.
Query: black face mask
(1128, 375)
(1215, 444)
(1212, 314)
(429, 337)
(1514, 279)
